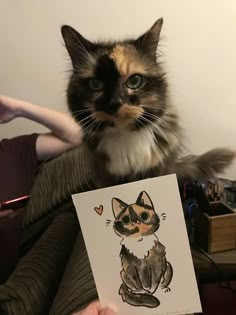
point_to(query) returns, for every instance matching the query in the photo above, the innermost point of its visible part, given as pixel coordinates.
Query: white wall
(199, 45)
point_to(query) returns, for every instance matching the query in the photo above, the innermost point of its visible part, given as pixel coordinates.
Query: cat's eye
(96, 85)
(144, 216)
(125, 219)
(135, 81)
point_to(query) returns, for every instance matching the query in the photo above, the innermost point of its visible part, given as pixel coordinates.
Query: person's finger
(5, 213)
(92, 309)
(107, 311)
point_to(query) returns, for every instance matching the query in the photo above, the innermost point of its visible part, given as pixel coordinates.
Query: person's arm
(65, 132)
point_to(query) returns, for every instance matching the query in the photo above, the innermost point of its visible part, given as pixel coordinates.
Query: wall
(198, 43)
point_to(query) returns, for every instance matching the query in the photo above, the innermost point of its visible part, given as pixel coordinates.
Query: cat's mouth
(126, 114)
(138, 240)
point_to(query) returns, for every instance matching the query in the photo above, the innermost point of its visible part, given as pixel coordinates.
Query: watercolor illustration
(143, 258)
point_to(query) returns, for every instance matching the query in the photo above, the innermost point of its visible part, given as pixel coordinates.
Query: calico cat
(143, 257)
(118, 92)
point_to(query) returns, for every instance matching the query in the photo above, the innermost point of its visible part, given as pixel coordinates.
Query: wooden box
(216, 230)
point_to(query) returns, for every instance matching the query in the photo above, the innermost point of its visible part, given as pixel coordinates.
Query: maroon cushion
(10, 232)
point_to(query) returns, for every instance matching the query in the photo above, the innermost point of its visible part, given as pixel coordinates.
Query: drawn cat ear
(144, 198)
(117, 206)
(148, 42)
(78, 47)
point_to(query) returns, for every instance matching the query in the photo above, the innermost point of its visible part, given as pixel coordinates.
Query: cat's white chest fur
(128, 151)
(141, 246)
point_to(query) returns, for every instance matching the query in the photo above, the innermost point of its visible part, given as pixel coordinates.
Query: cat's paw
(166, 290)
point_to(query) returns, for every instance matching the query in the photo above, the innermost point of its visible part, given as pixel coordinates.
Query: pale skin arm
(65, 132)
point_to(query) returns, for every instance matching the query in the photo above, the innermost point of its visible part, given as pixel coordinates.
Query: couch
(53, 274)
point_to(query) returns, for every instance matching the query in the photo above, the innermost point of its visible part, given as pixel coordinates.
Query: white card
(138, 247)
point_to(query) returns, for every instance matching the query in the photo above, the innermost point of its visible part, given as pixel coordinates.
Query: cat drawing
(143, 257)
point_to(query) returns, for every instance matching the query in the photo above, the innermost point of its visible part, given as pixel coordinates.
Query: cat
(143, 257)
(118, 92)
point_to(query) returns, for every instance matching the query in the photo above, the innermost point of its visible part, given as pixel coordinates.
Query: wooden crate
(215, 232)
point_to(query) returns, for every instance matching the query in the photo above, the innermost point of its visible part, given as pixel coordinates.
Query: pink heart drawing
(99, 209)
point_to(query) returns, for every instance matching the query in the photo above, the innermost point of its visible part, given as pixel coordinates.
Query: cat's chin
(140, 246)
(116, 128)
(117, 121)
(140, 239)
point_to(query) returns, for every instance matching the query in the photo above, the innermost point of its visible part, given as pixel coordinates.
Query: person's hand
(9, 108)
(65, 132)
(95, 309)
(5, 213)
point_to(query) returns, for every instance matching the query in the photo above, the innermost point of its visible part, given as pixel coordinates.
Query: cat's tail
(205, 166)
(138, 299)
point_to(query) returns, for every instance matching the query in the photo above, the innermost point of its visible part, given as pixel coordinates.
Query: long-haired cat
(118, 92)
(143, 257)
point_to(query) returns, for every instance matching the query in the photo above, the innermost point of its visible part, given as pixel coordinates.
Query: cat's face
(135, 220)
(115, 84)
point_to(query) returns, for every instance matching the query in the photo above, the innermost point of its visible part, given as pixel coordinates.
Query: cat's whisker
(108, 222)
(161, 132)
(150, 115)
(88, 125)
(149, 129)
(98, 125)
(156, 127)
(155, 140)
(89, 116)
(152, 134)
(86, 118)
(81, 111)
(156, 117)
(90, 131)
(163, 215)
(91, 128)
(78, 116)
(154, 106)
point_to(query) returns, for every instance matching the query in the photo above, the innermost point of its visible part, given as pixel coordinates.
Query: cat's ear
(78, 47)
(148, 42)
(117, 206)
(144, 199)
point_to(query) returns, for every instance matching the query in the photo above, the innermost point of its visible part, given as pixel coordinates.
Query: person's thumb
(107, 311)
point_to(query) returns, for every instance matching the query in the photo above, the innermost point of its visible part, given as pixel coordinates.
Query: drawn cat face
(115, 83)
(135, 220)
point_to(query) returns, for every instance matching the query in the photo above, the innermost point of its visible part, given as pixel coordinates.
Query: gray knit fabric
(58, 179)
(36, 228)
(32, 286)
(77, 288)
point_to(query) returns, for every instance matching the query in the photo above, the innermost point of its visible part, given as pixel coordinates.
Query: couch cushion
(10, 233)
(77, 288)
(32, 286)
(58, 179)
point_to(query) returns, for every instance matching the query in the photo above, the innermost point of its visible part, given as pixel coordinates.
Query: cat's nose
(114, 105)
